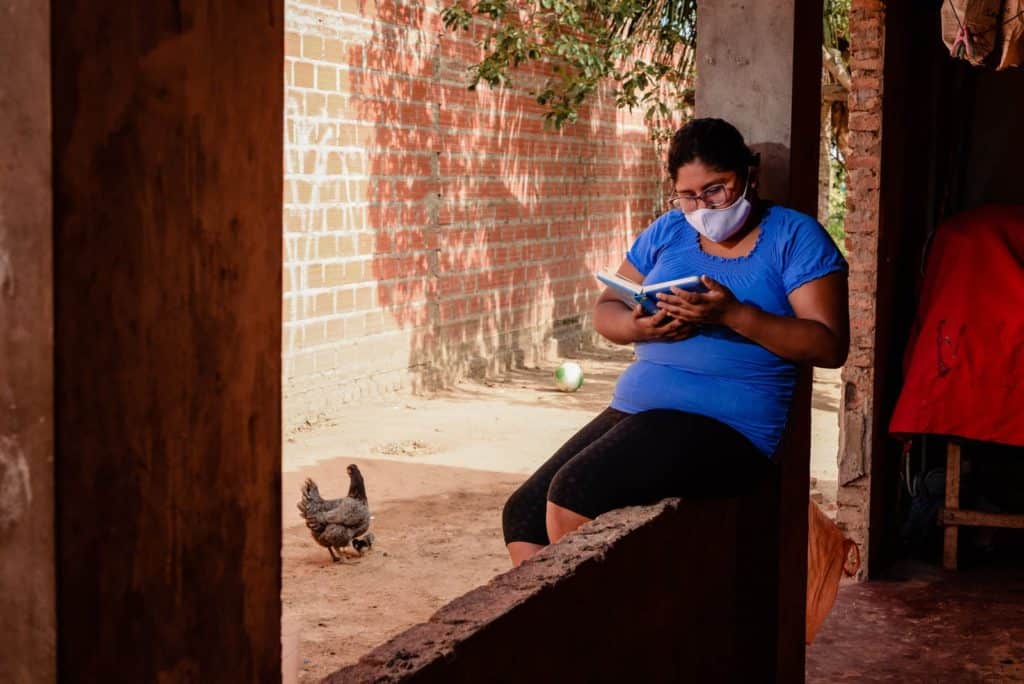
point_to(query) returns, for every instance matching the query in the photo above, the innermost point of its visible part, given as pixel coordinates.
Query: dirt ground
(437, 472)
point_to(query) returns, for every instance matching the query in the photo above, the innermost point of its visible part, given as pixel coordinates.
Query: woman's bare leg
(561, 521)
(521, 551)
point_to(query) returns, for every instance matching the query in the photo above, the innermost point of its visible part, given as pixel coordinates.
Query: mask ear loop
(753, 169)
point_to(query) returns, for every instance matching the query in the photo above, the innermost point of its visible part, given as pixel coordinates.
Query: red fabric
(964, 369)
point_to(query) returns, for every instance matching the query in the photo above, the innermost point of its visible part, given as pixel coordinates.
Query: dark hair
(715, 142)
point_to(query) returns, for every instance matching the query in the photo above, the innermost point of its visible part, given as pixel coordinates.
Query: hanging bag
(1012, 35)
(830, 555)
(970, 28)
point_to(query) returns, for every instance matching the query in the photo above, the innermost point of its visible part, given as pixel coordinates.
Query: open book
(646, 295)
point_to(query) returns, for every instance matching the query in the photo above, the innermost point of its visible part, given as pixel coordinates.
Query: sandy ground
(437, 472)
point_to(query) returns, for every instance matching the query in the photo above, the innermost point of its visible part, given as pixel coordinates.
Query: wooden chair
(953, 517)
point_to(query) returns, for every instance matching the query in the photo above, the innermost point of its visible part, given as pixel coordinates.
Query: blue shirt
(717, 372)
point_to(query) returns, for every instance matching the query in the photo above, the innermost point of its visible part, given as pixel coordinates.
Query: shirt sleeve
(810, 253)
(644, 251)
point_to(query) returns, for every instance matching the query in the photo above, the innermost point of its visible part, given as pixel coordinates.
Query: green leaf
(642, 49)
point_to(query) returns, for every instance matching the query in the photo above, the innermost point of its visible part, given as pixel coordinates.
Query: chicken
(336, 523)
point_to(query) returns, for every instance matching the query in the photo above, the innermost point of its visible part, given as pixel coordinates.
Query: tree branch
(833, 92)
(836, 67)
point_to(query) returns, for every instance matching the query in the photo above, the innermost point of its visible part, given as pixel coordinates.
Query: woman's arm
(619, 323)
(819, 334)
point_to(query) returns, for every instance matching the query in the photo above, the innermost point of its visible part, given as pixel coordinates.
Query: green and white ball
(569, 376)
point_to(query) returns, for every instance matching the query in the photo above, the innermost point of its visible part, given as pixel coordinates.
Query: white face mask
(721, 224)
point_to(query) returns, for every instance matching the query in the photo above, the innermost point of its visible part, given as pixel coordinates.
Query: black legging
(621, 459)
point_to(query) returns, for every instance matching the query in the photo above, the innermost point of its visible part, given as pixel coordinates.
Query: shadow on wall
(487, 228)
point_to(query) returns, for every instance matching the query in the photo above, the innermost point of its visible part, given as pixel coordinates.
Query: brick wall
(864, 164)
(433, 232)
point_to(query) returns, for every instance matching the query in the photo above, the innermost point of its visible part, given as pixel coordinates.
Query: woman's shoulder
(790, 229)
(802, 248)
(789, 222)
(666, 231)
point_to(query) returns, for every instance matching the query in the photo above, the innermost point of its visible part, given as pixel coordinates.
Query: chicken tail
(310, 503)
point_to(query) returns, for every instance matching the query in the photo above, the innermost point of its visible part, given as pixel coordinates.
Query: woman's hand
(717, 306)
(621, 323)
(659, 327)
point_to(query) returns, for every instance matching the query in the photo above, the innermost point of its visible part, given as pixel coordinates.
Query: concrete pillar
(759, 67)
(167, 277)
(27, 584)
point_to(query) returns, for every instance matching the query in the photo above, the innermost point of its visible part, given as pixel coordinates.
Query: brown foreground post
(27, 575)
(167, 167)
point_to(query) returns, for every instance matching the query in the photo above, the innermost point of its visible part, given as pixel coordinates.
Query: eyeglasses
(713, 198)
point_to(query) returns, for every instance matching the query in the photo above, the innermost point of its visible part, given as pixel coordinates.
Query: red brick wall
(867, 20)
(431, 231)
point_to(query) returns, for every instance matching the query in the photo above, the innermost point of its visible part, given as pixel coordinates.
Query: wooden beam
(168, 174)
(28, 588)
(834, 63)
(961, 517)
(952, 532)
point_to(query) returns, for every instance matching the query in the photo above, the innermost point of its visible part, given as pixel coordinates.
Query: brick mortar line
(490, 177)
(299, 324)
(452, 130)
(454, 155)
(476, 179)
(508, 265)
(412, 329)
(427, 81)
(328, 261)
(526, 220)
(502, 266)
(512, 157)
(419, 39)
(458, 249)
(320, 9)
(321, 119)
(421, 303)
(485, 202)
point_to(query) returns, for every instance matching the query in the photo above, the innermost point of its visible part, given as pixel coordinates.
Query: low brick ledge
(440, 640)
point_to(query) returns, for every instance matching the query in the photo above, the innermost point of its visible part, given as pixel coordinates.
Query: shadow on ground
(925, 625)
(601, 369)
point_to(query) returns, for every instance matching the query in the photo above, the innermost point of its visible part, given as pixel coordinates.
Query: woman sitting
(703, 408)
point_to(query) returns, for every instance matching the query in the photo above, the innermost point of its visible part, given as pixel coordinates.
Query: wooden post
(951, 533)
(28, 588)
(768, 84)
(168, 120)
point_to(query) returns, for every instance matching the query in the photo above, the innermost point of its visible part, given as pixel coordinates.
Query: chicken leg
(361, 544)
(345, 552)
